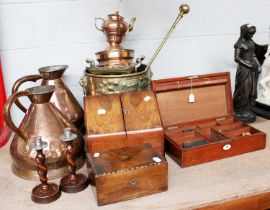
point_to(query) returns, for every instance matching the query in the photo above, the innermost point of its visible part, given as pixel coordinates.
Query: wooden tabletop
(241, 182)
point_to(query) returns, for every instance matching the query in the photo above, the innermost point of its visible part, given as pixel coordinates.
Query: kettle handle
(7, 116)
(100, 29)
(19, 82)
(131, 24)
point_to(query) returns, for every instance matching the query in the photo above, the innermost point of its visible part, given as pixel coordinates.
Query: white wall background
(36, 33)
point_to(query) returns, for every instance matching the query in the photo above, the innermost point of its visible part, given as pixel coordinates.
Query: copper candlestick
(44, 192)
(73, 182)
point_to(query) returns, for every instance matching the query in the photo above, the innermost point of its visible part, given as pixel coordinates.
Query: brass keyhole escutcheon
(133, 182)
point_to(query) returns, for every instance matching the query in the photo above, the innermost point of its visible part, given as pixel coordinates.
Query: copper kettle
(41, 119)
(115, 27)
(62, 98)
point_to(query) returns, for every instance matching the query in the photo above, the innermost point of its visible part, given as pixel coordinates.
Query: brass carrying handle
(83, 83)
(7, 115)
(100, 29)
(19, 82)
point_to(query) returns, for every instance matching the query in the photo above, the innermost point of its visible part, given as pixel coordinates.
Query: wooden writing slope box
(205, 130)
(116, 121)
(127, 173)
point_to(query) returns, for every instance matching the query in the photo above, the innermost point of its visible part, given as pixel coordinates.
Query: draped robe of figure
(247, 74)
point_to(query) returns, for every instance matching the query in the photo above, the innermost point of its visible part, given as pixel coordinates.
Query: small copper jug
(62, 98)
(41, 119)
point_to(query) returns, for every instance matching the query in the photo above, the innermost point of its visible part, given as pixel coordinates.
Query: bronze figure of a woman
(247, 74)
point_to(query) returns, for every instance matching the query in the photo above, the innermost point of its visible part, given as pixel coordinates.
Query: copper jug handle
(7, 114)
(19, 82)
(100, 29)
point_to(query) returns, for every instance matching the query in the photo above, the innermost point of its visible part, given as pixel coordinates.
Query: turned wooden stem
(42, 169)
(71, 162)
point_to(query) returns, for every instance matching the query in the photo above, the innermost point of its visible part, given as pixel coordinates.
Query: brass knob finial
(184, 9)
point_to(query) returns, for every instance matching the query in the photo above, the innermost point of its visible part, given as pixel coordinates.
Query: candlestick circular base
(40, 195)
(78, 185)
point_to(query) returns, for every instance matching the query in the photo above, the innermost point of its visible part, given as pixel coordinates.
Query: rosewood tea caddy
(115, 121)
(203, 129)
(127, 173)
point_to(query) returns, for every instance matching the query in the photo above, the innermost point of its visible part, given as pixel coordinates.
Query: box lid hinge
(193, 77)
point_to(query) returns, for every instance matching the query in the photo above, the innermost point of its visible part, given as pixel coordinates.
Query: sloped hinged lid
(103, 114)
(142, 110)
(213, 98)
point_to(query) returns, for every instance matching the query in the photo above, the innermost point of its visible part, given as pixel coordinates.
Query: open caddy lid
(213, 98)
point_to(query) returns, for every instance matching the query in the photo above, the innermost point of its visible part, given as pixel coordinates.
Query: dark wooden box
(205, 130)
(116, 121)
(127, 173)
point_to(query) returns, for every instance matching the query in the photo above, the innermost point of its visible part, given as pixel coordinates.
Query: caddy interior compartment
(226, 127)
(245, 130)
(180, 129)
(211, 135)
(188, 139)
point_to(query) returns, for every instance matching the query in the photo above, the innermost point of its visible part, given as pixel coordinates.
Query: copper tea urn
(115, 28)
(115, 71)
(41, 119)
(62, 98)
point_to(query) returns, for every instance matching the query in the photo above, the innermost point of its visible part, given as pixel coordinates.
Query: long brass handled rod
(183, 9)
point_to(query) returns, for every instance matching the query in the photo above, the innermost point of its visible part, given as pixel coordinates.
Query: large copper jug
(62, 98)
(41, 119)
